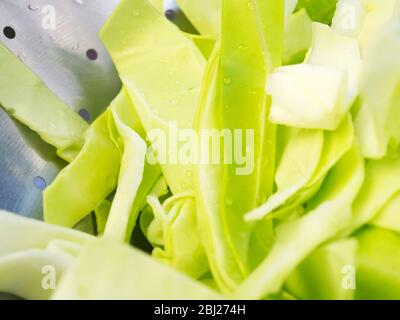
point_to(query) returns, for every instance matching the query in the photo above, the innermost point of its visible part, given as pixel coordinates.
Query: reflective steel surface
(59, 41)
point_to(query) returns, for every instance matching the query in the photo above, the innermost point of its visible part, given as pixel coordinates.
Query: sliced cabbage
(110, 270)
(380, 88)
(334, 50)
(177, 221)
(389, 216)
(34, 255)
(382, 182)
(299, 174)
(298, 36)
(205, 15)
(290, 5)
(319, 10)
(87, 181)
(334, 265)
(294, 170)
(235, 77)
(378, 265)
(27, 99)
(84, 184)
(162, 71)
(378, 13)
(308, 96)
(330, 212)
(204, 43)
(136, 178)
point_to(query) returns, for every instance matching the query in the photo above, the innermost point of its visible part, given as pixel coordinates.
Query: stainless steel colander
(58, 40)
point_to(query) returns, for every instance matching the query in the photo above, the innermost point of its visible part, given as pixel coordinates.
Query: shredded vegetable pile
(304, 200)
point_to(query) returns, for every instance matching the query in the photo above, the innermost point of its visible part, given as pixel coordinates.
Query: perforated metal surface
(58, 40)
(70, 59)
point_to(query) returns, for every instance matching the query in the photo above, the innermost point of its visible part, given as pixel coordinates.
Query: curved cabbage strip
(18, 233)
(319, 10)
(322, 275)
(108, 270)
(271, 29)
(27, 274)
(260, 242)
(336, 144)
(298, 37)
(375, 121)
(378, 13)
(136, 178)
(182, 248)
(299, 174)
(318, 93)
(204, 43)
(101, 213)
(382, 182)
(289, 6)
(24, 96)
(331, 49)
(224, 191)
(205, 15)
(64, 247)
(81, 186)
(152, 223)
(34, 255)
(294, 170)
(308, 96)
(208, 192)
(161, 70)
(378, 265)
(330, 212)
(389, 216)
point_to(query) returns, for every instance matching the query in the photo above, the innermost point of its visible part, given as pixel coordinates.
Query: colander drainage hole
(9, 32)
(92, 54)
(39, 183)
(85, 115)
(170, 14)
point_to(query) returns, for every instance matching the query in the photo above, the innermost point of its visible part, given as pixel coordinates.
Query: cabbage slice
(296, 239)
(161, 70)
(110, 270)
(378, 265)
(295, 169)
(31, 249)
(382, 182)
(299, 174)
(332, 265)
(27, 99)
(136, 178)
(205, 15)
(334, 50)
(298, 36)
(380, 90)
(308, 96)
(224, 191)
(81, 186)
(389, 216)
(181, 248)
